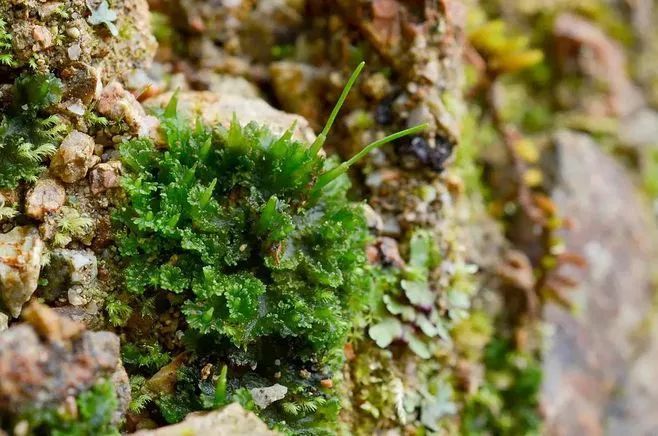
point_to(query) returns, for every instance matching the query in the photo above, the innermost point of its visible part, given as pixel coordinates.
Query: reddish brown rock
(41, 366)
(105, 176)
(120, 105)
(74, 157)
(45, 197)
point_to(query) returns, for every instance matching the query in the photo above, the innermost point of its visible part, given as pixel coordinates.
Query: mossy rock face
(53, 36)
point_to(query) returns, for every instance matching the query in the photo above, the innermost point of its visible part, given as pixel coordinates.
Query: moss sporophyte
(251, 238)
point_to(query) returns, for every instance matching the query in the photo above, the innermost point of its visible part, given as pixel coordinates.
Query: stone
(49, 325)
(80, 265)
(20, 263)
(74, 157)
(105, 176)
(36, 372)
(263, 397)
(118, 104)
(46, 196)
(232, 420)
(598, 368)
(214, 109)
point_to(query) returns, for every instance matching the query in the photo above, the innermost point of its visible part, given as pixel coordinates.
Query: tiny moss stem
(330, 175)
(319, 141)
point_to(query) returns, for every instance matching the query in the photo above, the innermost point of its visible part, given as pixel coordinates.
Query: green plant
(255, 238)
(413, 309)
(27, 136)
(70, 225)
(507, 403)
(6, 57)
(94, 414)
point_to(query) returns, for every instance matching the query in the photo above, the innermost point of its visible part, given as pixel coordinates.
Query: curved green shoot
(319, 141)
(333, 173)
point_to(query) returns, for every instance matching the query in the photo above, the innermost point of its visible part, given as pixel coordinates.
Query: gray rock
(46, 196)
(263, 397)
(20, 263)
(80, 265)
(74, 157)
(232, 420)
(592, 381)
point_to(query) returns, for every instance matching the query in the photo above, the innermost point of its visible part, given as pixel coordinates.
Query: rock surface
(113, 49)
(215, 109)
(49, 358)
(74, 157)
(120, 105)
(20, 262)
(232, 420)
(263, 397)
(46, 196)
(598, 362)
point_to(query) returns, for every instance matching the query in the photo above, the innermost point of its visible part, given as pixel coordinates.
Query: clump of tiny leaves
(507, 403)
(93, 415)
(255, 236)
(414, 309)
(27, 134)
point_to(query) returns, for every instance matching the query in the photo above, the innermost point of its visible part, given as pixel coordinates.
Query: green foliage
(6, 57)
(508, 401)
(95, 410)
(413, 309)
(70, 225)
(251, 237)
(144, 355)
(27, 137)
(229, 223)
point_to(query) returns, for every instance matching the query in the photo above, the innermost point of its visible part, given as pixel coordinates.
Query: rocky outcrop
(20, 262)
(50, 358)
(113, 37)
(597, 357)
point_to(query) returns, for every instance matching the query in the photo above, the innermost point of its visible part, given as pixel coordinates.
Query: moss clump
(92, 415)
(27, 134)
(253, 239)
(507, 403)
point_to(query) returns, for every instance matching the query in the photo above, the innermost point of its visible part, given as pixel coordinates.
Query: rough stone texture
(105, 176)
(263, 397)
(41, 366)
(20, 263)
(215, 109)
(232, 420)
(34, 24)
(597, 366)
(46, 196)
(74, 157)
(120, 105)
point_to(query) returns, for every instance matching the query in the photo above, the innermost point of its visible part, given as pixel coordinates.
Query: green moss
(6, 55)
(252, 238)
(27, 135)
(507, 403)
(95, 410)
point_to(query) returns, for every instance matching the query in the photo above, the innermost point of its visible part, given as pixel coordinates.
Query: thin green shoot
(335, 172)
(322, 137)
